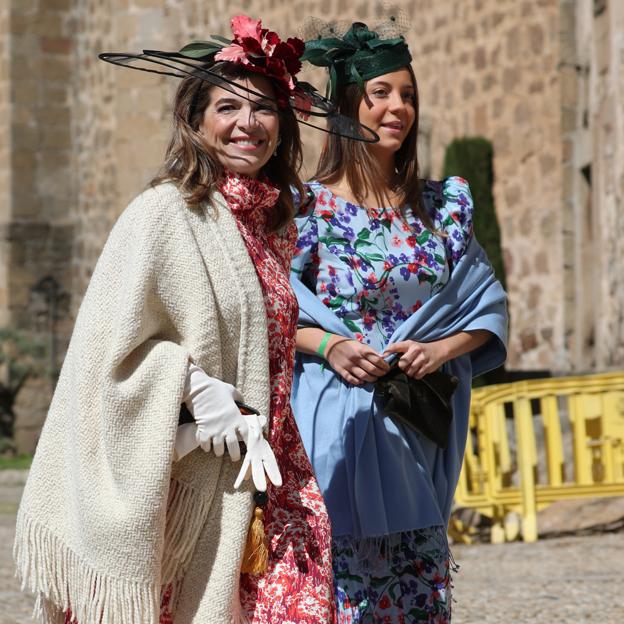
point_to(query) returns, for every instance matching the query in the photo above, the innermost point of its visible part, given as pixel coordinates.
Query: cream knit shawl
(105, 521)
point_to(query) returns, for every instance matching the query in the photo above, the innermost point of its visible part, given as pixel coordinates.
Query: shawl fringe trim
(63, 581)
(369, 552)
(187, 511)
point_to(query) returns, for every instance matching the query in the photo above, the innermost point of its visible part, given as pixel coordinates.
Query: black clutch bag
(185, 416)
(422, 404)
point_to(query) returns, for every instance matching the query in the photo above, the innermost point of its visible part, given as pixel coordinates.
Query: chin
(391, 146)
(251, 170)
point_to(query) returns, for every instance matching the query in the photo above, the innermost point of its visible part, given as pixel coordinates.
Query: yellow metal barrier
(534, 442)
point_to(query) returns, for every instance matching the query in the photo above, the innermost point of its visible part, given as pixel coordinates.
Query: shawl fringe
(187, 511)
(378, 551)
(63, 581)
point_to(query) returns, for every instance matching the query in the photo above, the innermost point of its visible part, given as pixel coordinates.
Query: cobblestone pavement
(571, 580)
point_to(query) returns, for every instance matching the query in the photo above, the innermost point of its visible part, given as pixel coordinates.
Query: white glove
(259, 458)
(218, 419)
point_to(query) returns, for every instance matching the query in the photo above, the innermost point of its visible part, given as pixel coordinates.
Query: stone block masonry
(541, 79)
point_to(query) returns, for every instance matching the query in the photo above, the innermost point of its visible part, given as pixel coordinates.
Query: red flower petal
(271, 38)
(285, 52)
(233, 53)
(252, 46)
(243, 26)
(276, 67)
(297, 45)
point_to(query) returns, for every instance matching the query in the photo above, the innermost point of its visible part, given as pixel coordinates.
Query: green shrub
(471, 158)
(21, 357)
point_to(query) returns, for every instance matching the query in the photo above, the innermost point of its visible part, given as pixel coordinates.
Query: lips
(395, 126)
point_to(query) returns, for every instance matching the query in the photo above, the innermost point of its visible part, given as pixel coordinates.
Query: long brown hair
(195, 168)
(342, 158)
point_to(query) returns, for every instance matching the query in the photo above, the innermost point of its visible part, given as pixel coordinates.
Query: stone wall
(541, 79)
(593, 181)
(490, 69)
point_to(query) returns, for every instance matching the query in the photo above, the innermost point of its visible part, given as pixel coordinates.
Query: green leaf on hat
(200, 49)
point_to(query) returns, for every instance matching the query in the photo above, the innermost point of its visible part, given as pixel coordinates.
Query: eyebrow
(237, 100)
(381, 83)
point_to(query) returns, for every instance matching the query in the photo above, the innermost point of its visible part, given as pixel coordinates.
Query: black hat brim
(319, 112)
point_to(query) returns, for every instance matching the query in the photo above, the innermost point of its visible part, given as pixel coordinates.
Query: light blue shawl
(379, 477)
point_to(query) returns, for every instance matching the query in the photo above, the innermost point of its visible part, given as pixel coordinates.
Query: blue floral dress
(373, 269)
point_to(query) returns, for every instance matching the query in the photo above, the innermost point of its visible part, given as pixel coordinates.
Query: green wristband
(323, 345)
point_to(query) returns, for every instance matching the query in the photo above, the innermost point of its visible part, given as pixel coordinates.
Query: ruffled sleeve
(305, 261)
(454, 216)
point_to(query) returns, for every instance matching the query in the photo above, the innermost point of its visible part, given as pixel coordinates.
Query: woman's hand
(355, 362)
(219, 421)
(417, 359)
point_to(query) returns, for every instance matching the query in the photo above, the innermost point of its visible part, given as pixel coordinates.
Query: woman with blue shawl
(386, 268)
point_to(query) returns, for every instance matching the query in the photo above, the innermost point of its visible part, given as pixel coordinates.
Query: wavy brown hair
(195, 167)
(342, 158)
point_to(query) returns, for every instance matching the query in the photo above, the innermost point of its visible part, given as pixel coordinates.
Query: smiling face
(388, 108)
(242, 129)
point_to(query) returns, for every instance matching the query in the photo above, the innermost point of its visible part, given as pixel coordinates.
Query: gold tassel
(256, 557)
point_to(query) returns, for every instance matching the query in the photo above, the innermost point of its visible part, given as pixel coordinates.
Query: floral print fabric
(374, 268)
(409, 583)
(298, 584)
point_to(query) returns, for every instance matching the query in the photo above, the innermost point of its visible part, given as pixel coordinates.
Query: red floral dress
(298, 584)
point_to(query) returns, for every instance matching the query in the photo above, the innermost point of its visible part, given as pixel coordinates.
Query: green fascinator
(356, 56)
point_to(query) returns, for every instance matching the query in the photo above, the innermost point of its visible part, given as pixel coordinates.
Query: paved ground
(15, 607)
(570, 580)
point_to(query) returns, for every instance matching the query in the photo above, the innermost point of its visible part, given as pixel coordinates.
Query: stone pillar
(592, 66)
(607, 122)
(578, 233)
(38, 186)
(38, 231)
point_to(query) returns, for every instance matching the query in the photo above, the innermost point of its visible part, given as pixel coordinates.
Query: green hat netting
(352, 52)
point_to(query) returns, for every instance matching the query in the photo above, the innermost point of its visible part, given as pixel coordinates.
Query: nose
(247, 117)
(396, 101)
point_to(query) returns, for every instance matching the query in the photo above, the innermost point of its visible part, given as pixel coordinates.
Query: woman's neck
(380, 190)
(385, 165)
